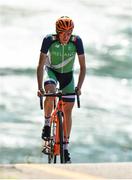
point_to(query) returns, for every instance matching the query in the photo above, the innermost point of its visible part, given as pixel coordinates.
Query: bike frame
(57, 121)
(55, 144)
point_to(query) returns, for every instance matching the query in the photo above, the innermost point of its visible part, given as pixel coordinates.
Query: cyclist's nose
(66, 37)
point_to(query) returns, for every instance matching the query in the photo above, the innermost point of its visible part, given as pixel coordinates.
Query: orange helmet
(64, 23)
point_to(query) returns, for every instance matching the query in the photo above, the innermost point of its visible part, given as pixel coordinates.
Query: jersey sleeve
(47, 41)
(79, 45)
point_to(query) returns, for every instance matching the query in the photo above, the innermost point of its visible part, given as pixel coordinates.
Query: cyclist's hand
(40, 92)
(78, 91)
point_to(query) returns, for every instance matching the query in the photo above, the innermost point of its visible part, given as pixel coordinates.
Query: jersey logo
(62, 64)
(57, 45)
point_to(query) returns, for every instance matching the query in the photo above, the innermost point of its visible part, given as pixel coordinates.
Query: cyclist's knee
(50, 88)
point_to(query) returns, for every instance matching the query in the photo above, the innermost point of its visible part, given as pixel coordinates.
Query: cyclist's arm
(40, 67)
(82, 73)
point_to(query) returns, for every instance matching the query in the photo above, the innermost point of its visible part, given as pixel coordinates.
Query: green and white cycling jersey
(62, 57)
(60, 62)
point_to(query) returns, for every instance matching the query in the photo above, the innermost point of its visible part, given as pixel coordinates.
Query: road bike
(53, 147)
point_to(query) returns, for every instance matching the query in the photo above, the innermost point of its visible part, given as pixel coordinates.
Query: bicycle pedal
(46, 147)
(46, 150)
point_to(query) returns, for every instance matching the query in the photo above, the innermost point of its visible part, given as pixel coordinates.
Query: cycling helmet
(64, 23)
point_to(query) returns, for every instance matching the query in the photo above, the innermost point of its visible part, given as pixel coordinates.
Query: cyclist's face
(65, 36)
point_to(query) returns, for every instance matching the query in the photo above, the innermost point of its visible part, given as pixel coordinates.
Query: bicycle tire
(51, 156)
(59, 114)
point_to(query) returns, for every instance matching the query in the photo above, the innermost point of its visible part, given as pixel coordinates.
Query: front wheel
(51, 156)
(59, 114)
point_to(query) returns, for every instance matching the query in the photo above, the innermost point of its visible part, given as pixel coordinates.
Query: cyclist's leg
(67, 110)
(68, 103)
(49, 86)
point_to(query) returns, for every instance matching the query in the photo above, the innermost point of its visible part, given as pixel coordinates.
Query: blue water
(102, 127)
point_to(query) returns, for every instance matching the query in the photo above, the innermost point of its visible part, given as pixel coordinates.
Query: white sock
(47, 121)
(65, 146)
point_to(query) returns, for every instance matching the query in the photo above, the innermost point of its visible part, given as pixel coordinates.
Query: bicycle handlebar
(41, 102)
(58, 94)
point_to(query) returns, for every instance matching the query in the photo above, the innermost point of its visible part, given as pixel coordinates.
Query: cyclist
(57, 55)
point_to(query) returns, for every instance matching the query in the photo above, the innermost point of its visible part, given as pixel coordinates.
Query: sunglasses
(66, 33)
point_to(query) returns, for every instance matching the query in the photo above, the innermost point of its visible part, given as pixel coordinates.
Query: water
(102, 127)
